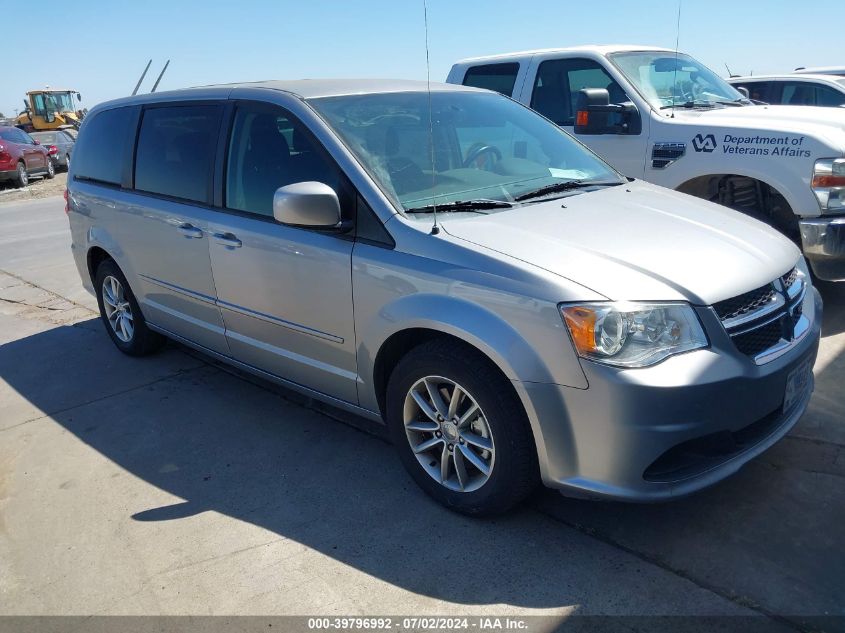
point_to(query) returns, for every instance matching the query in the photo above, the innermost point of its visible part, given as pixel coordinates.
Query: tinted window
(757, 90)
(805, 93)
(558, 82)
(269, 149)
(175, 151)
(9, 135)
(828, 96)
(498, 77)
(100, 152)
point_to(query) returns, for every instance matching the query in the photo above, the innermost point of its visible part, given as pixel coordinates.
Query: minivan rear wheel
(120, 313)
(460, 430)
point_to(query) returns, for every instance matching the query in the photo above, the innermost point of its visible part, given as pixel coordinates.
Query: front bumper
(823, 240)
(707, 412)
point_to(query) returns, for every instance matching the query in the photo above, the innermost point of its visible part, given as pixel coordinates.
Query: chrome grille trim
(780, 301)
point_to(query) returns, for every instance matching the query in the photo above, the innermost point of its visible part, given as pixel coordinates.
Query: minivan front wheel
(120, 313)
(460, 430)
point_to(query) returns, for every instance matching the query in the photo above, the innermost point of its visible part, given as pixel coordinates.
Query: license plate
(796, 384)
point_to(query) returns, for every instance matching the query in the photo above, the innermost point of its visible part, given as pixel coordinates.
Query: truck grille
(765, 319)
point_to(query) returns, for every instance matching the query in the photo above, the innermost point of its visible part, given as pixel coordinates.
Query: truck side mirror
(593, 110)
(743, 91)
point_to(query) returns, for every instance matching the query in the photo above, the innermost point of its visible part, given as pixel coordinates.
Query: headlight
(632, 334)
(829, 183)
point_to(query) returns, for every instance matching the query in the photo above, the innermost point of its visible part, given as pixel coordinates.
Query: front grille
(790, 277)
(765, 317)
(759, 340)
(745, 303)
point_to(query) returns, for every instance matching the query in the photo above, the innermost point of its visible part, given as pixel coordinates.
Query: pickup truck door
(285, 292)
(552, 90)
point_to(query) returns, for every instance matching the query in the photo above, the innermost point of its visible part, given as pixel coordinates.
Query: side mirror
(743, 91)
(78, 97)
(593, 110)
(35, 141)
(311, 205)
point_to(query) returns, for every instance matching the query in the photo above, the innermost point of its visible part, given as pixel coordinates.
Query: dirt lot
(38, 188)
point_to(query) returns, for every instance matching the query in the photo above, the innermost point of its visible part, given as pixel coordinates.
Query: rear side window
(100, 152)
(498, 77)
(9, 135)
(175, 151)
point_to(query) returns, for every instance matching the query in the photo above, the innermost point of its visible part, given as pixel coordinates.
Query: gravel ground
(38, 188)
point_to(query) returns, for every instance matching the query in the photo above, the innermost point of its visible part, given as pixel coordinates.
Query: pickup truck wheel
(22, 178)
(121, 315)
(460, 430)
(51, 169)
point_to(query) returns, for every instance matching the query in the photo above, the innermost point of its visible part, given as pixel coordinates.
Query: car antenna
(155, 85)
(675, 74)
(143, 74)
(435, 229)
(730, 74)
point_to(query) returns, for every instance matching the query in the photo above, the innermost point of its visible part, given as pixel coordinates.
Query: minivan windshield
(667, 80)
(461, 150)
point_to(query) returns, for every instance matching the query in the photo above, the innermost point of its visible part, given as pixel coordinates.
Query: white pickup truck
(664, 117)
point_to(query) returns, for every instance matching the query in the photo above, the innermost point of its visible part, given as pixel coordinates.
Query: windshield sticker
(785, 145)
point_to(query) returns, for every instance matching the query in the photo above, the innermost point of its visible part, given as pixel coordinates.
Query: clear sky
(100, 47)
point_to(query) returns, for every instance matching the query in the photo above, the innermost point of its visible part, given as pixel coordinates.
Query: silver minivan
(453, 264)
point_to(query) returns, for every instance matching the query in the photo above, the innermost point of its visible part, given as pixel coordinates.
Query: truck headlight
(632, 334)
(829, 183)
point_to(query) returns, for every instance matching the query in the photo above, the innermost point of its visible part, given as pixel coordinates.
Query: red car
(21, 156)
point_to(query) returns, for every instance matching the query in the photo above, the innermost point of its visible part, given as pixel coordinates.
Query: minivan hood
(637, 242)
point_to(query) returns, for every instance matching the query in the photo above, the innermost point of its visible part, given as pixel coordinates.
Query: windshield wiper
(558, 187)
(473, 206)
(693, 104)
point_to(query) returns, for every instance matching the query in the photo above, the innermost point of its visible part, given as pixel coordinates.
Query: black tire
(22, 178)
(51, 169)
(143, 341)
(515, 473)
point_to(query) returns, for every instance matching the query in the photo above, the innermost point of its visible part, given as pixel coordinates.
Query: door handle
(189, 230)
(227, 239)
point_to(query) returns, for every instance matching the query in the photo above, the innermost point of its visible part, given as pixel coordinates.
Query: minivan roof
(302, 88)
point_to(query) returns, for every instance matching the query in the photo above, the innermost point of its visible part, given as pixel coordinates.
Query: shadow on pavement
(769, 537)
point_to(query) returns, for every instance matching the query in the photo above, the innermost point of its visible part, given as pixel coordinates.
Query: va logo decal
(704, 143)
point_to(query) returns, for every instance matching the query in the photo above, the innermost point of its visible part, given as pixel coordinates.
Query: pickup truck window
(669, 80)
(558, 82)
(469, 147)
(498, 77)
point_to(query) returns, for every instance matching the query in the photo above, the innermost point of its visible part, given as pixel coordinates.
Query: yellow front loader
(50, 109)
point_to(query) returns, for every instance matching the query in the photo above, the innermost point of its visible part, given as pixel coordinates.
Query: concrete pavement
(172, 485)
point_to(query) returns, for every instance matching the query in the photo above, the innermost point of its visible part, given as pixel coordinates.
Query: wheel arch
(96, 255)
(774, 202)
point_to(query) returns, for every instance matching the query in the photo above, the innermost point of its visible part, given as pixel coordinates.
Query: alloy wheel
(118, 310)
(23, 177)
(449, 434)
